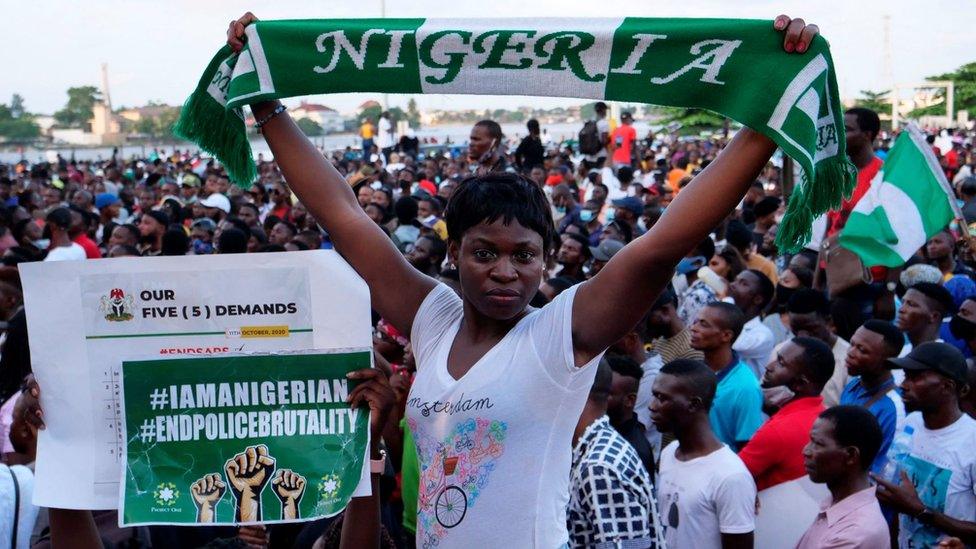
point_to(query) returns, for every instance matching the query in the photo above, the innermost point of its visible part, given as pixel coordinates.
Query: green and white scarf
(736, 68)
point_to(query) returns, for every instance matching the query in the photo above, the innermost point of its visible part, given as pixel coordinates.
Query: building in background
(328, 118)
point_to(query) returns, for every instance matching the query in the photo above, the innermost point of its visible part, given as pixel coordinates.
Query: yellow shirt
(366, 131)
(764, 266)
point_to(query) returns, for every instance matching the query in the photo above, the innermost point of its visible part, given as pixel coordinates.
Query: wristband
(378, 466)
(277, 110)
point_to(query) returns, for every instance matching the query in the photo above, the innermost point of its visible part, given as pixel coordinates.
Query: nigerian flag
(908, 202)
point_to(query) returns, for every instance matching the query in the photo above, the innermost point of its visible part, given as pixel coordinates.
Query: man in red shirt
(79, 235)
(775, 453)
(862, 127)
(622, 140)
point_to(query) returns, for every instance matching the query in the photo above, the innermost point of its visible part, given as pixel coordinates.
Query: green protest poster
(241, 439)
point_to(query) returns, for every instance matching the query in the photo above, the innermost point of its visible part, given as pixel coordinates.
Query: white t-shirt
(705, 497)
(755, 345)
(74, 252)
(25, 509)
(384, 135)
(495, 447)
(942, 465)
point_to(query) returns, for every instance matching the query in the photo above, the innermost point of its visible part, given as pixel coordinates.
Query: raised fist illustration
(248, 472)
(289, 486)
(207, 492)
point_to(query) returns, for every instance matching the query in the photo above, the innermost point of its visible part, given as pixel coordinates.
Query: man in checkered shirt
(610, 500)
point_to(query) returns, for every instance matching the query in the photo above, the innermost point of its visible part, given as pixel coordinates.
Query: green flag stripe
(882, 240)
(904, 206)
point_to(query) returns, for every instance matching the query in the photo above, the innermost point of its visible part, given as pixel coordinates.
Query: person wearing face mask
(566, 206)
(628, 210)
(590, 216)
(202, 232)
(961, 288)
(963, 324)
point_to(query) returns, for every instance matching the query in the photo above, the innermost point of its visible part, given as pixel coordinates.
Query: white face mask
(42, 244)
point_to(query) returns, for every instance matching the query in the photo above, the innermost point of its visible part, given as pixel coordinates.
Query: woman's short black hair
(499, 195)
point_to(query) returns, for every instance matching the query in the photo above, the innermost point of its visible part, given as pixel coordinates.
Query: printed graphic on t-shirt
(932, 484)
(670, 495)
(453, 472)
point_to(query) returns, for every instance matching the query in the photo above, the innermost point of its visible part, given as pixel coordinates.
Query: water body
(456, 133)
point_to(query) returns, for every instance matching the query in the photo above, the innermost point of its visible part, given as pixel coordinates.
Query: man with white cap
(217, 206)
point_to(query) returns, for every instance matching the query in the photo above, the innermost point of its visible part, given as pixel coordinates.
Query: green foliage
(691, 120)
(879, 102)
(373, 113)
(310, 127)
(413, 115)
(964, 79)
(16, 125)
(159, 126)
(78, 110)
(17, 106)
(396, 115)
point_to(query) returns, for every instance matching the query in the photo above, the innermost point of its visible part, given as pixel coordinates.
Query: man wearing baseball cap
(934, 490)
(217, 206)
(109, 207)
(189, 188)
(601, 254)
(629, 210)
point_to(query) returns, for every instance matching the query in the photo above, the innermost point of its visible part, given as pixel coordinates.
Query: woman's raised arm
(396, 288)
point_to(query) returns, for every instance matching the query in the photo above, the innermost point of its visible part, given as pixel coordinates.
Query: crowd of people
(506, 272)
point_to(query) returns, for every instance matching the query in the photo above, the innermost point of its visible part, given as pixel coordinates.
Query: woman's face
(500, 267)
(719, 265)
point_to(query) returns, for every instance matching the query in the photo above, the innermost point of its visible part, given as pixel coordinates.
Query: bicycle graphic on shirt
(451, 502)
(458, 471)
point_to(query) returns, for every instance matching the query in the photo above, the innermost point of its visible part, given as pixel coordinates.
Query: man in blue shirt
(736, 411)
(874, 387)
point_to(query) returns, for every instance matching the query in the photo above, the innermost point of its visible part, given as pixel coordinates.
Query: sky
(157, 50)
